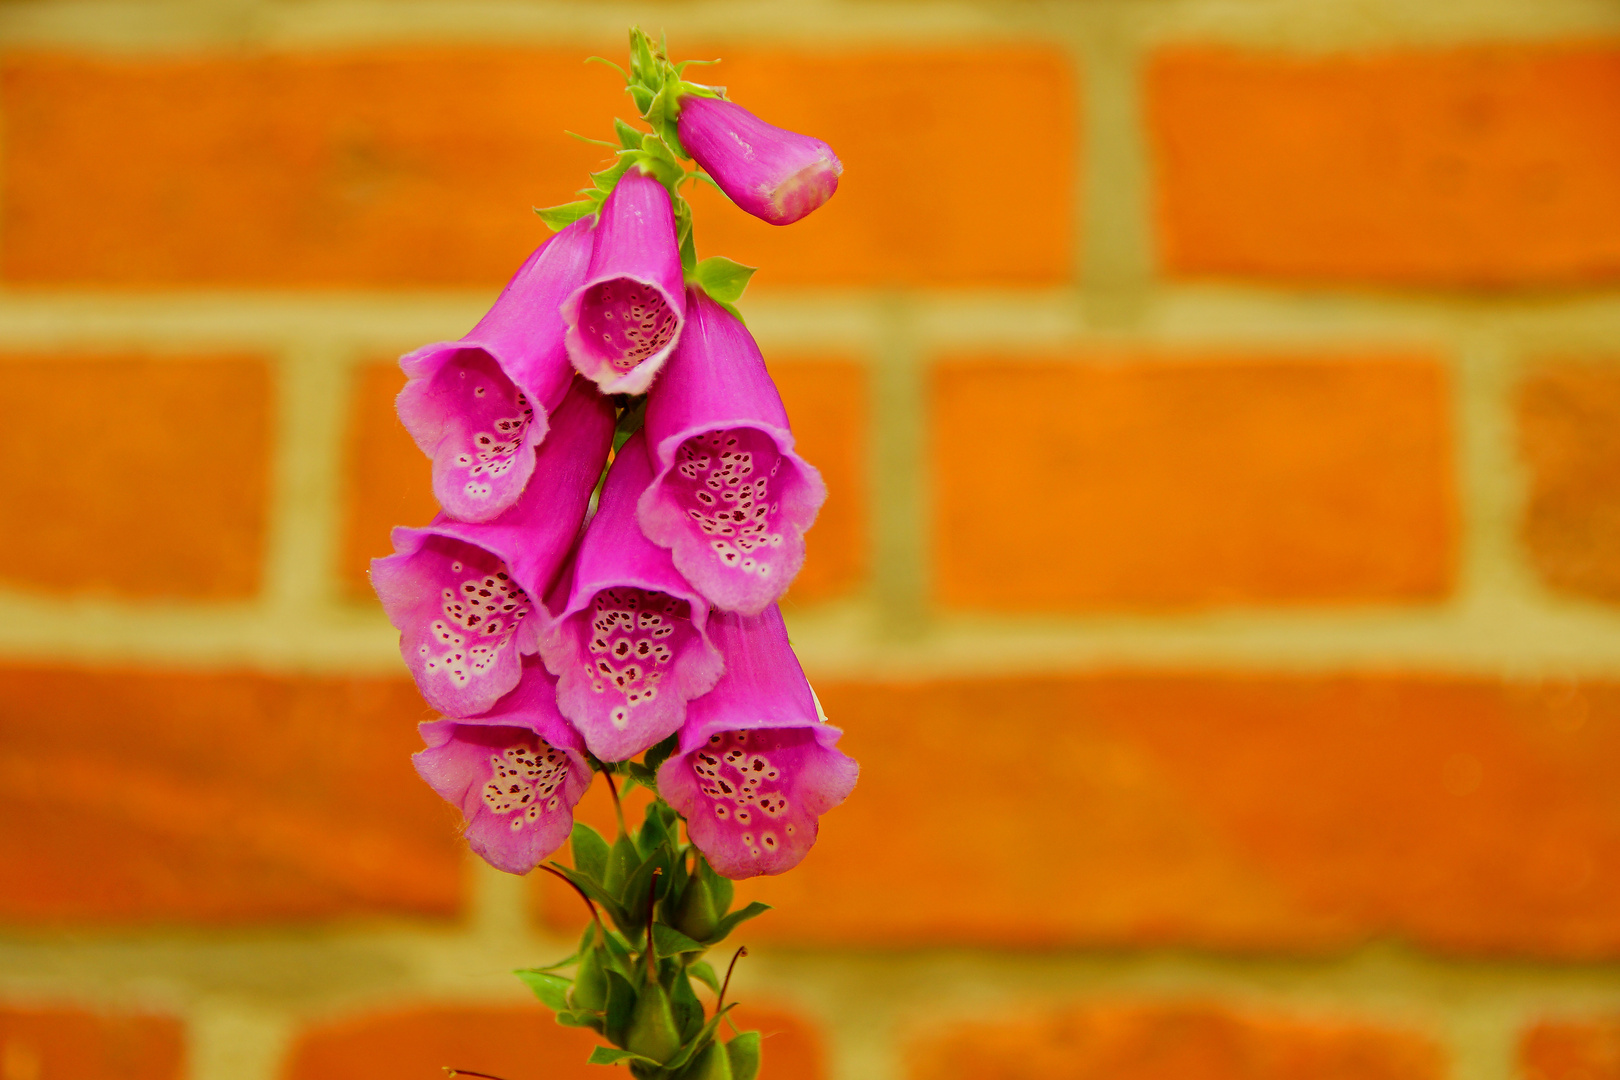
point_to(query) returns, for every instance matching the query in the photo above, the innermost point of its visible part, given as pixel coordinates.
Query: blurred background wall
(1220, 401)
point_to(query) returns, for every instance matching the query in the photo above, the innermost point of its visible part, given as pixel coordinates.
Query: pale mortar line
(897, 477)
(232, 1040)
(312, 390)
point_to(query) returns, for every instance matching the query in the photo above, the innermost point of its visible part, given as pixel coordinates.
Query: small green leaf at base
(723, 279)
(590, 851)
(558, 218)
(730, 922)
(612, 1055)
(551, 989)
(703, 973)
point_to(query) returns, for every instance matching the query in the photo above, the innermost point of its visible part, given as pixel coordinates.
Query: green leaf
(590, 851)
(652, 837)
(629, 137)
(620, 70)
(704, 973)
(579, 1019)
(744, 1053)
(612, 1055)
(605, 180)
(662, 752)
(722, 279)
(720, 888)
(558, 218)
(730, 922)
(687, 1008)
(703, 1039)
(549, 988)
(668, 941)
(621, 1002)
(623, 858)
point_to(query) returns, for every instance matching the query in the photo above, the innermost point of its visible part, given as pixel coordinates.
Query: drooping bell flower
(624, 319)
(515, 772)
(479, 406)
(465, 596)
(629, 643)
(772, 173)
(729, 497)
(756, 766)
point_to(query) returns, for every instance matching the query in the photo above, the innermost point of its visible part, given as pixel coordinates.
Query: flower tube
(772, 173)
(625, 318)
(515, 772)
(756, 767)
(463, 595)
(729, 497)
(479, 406)
(629, 645)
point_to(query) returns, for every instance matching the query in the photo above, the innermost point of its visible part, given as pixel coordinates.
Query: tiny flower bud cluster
(622, 508)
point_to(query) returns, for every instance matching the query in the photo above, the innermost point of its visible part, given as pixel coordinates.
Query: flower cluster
(622, 508)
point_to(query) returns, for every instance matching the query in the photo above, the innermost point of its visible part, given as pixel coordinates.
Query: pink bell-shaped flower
(479, 406)
(729, 497)
(624, 319)
(515, 772)
(772, 173)
(756, 765)
(464, 596)
(629, 644)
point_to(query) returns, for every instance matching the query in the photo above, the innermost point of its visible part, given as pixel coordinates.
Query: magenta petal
(756, 766)
(630, 646)
(626, 317)
(730, 498)
(772, 173)
(478, 406)
(515, 772)
(463, 595)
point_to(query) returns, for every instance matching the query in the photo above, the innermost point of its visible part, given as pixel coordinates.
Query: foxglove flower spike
(774, 174)
(465, 596)
(515, 772)
(756, 766)
(479, 406)
(729, 497)
(625, 318)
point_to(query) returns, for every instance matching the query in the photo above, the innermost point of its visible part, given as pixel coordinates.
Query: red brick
(136, 476)
(419, 167)
(1569, 433)
(1571, 1050)
(827, 403)
(910, 207)
(1080, 484)
(1172, 1042)
(1233, 812)
(71, 1044)
(522, 1043)
(389, 481)
(1479, 166)
(172, 797)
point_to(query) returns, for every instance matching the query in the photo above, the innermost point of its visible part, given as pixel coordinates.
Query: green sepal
(704, 973)
(623, 858)
(713, 1063)
(653, 836)
(629, 137)
(551, 989)
(729, 923)
(608, 177)
(652, 1032)
(723, 279)
(578, 1018)
(687, 1008)
(744, 1052)
(558, 218)
(702, 1039)
(612, 1055)
(590, 851)
(662, 752)
(621, 1000)
(668, 941)
(637, 772)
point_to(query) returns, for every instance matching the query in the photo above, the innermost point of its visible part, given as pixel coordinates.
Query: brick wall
(1218, 585)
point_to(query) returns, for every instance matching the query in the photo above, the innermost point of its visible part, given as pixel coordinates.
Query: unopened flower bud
(712, 1064)
(774, 174)
(695, 915)
(652, 1031)
(590, 983)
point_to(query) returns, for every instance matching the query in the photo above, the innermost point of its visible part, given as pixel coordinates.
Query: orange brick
(419, 167)
(911, 208)
(827, 402)
(1569, 432)
(389, 481)
(136, 476)
(1234, 811)
(1571, 1050)
(1172, 1042)
(71, 1044)
(1072, 486)
(1478, 166)
(514, 1043)
(171, 797)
